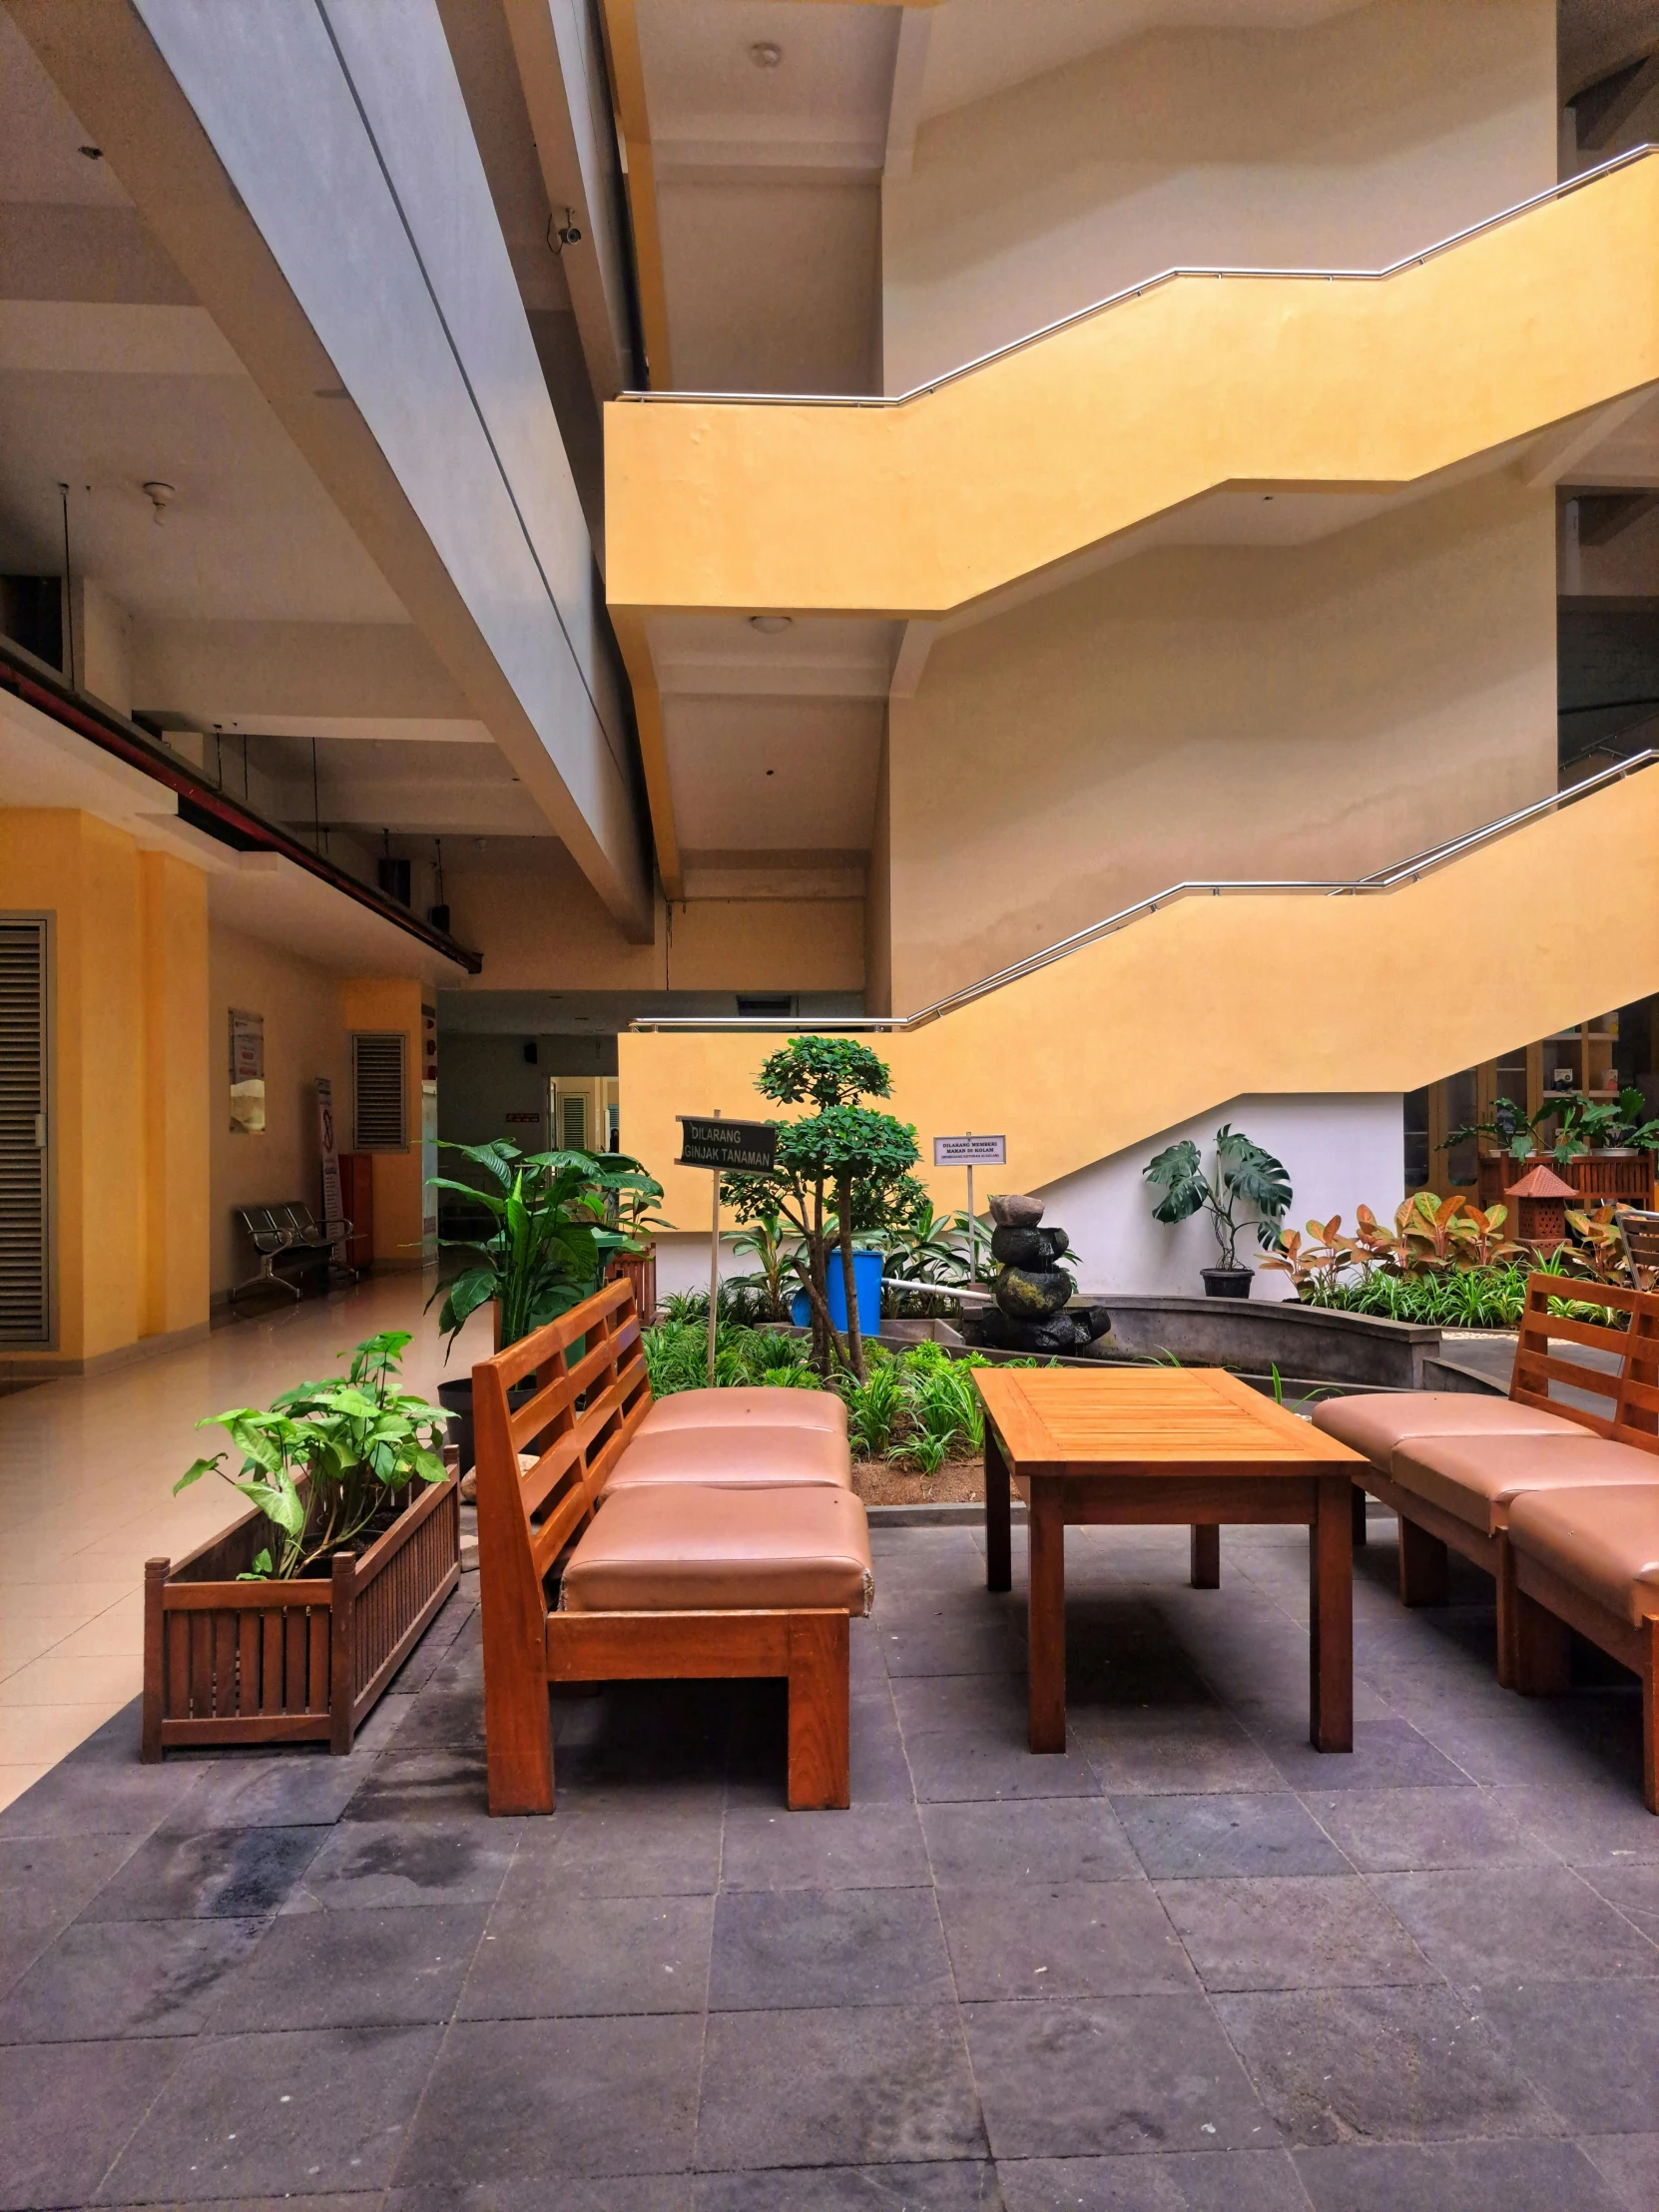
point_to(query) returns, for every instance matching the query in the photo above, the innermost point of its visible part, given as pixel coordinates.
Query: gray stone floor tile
(989, 1647)
(44, 1883)
(374, 1864)
(620, 1842)
(127, 1978)
(872, 2086)
(1547, 1740)
(1632, 1886)
(960, 2185)
(66, 2109)
(1453, 2177)
(1111, 2075)
(954, 1766)
(1412, 1831)
(1291, 1931)
(1222, 1833)
(1179, 2181)
(612, 2193)
(382, 1966)
(865, 1848)
(1027, 1840)
(1591, 2048)
(1386, 1755)
(1189, 1750)
(439, 1782)
(1536, 1922)
(1629, 2164)
(543, 2100)
(263, 2115)
(990, 1705)
(1402, 2064)
(290, 1788)
(783, 1949)
(100, 1797)
(444, 1716)
(231, 1873)
(557, 1957)
(1587, 1826)
(1055, 1940)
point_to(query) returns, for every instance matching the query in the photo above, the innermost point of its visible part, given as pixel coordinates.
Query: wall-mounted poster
(247, 1074)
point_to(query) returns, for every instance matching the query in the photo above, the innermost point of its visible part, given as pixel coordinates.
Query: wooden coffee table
(1151, 1444)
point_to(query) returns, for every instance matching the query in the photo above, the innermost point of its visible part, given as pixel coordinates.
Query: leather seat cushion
(683, 1548)
(769, 1407)
(745, 1457)
(1378, 1422)
(1478, 1477)
(1604, 1542)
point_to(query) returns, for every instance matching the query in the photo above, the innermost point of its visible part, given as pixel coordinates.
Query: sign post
(969, 1151)
(334, 1208)
(728, 1148)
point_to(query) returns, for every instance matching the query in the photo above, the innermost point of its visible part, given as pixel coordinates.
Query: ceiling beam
(1602, 110)
(912, 658)
(909, 66)
(635, 644)
(1561, 449)
(639, 175)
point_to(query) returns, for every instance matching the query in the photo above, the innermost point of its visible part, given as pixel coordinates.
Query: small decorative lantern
(1541, 1200)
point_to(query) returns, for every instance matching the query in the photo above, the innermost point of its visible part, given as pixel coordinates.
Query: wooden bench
(542, 1519)
(1450, 1464)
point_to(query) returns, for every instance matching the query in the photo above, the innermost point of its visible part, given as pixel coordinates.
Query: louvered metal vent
(575, 1132)
(379, 1090)
(25, 1307)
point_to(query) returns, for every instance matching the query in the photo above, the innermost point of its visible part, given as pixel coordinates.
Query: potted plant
(289, 1626)
(1587, 1140)
(630, 1211)
(1245, 1181)
(554, 1224)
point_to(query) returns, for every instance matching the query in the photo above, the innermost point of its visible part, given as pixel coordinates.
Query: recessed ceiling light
(92, 152)
(769, 626)
(764, 55)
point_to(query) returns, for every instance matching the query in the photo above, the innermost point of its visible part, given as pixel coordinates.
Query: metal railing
(1134, 292)
(1384, 881)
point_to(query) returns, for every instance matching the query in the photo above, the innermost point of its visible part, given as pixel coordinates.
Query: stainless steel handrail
(1134, 292)
(1386, 879)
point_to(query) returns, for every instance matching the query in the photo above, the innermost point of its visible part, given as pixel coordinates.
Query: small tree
(841, 1171)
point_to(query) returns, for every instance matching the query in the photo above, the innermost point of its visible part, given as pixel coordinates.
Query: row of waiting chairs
(277, 1233)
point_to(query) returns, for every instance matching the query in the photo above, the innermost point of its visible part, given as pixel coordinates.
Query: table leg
(999, 1574)
(1206, 1556)
(1331, 1629)
(1360, 1532)
(1047, 1620)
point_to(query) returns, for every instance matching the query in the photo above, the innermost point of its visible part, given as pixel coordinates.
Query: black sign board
(731, 1147)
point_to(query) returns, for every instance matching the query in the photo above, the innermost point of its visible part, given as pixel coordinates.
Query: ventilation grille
(25, 1316)
(574, 1135)
(379, 1091)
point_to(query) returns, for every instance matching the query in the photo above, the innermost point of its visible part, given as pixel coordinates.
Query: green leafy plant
(551, 1233)
(841, 1171)
(1245, 1181)
(329, 1462)
(769, 1242)
(1515, 1132)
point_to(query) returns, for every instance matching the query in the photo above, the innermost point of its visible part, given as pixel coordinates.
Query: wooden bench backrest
(527, 1516)
(1628, 1392)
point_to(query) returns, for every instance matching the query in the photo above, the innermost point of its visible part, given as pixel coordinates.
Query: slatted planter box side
(228, 1662)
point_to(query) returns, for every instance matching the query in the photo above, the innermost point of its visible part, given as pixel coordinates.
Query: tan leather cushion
(1379, 1420)
(681, 1549)
(770, 1405)
(1604, 1542)
(733, 1458)
(1477, 1477)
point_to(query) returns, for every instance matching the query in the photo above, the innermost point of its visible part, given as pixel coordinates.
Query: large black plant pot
(1223, 1282)
(456, 1400)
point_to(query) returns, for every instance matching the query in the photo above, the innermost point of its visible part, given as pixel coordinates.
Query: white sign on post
(970, 1152)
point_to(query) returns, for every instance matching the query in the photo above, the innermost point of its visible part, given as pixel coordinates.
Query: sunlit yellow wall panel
(386, 1003)
(173, 915)
(1218, 999)
(1199, 383)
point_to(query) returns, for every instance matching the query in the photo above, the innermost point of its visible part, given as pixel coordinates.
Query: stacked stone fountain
(1031, 1291)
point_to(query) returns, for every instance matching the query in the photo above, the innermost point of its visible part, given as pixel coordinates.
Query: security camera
(566, 233)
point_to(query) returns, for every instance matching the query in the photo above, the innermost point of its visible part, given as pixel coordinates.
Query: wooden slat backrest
(1629, 1391)
(528, 1513)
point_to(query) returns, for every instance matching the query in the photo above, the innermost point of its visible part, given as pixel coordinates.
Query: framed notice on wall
(247, 1074)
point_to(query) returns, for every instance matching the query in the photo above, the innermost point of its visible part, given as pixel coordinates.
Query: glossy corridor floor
(87, 1467)
(1190, 1965)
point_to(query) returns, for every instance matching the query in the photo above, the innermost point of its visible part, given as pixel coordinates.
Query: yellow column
(172, 910)
(383, 1003)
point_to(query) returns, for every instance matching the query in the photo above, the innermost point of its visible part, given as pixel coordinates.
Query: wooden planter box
(1597, 1177)
(228, 1662)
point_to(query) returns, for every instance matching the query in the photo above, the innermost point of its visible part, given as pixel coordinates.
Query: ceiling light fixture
(161, 496)
(771, 626)
(764, 55)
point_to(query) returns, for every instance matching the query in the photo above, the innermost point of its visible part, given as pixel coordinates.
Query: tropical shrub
(1244, 1181)
(331, 1464)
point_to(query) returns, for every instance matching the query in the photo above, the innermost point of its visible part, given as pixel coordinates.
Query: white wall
(1341, 1151)
(1348, 143)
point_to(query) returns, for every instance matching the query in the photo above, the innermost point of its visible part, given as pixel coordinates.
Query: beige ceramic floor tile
(71, 1678)
(29, 1733)
(14, 1779)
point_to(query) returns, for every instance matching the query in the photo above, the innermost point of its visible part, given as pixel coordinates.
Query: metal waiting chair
(277, 1231)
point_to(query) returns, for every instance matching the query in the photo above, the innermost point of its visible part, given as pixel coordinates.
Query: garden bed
(957, 1483)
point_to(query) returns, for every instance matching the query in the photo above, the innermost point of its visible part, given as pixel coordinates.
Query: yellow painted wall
(1226, 712)
(1218, 999)
(129, 1217)
(878, 894)
(923, 508)
(1344, 142)
(392, 1003)
(305, 1037)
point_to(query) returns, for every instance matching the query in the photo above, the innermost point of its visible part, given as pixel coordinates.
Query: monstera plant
(1245, 1183)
